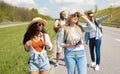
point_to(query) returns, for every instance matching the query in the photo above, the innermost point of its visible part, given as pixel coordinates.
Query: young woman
(36, 40)
(71, 39)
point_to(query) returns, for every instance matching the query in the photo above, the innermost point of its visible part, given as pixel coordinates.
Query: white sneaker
(97, 68)
(92, 64)
(57, 64)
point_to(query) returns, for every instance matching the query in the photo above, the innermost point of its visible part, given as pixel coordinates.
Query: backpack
(55, 29)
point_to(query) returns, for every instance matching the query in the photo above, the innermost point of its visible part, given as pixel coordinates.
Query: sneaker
(92, 64)
(57, 64)
(97, 68)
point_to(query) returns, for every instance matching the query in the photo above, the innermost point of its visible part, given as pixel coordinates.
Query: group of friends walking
(69, 39)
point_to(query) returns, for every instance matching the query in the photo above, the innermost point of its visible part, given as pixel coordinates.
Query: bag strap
(44, 39)
(98, 26)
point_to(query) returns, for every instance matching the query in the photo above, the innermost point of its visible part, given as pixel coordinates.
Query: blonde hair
(79, 29)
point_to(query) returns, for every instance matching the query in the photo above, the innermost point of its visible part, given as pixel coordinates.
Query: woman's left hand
(46, 44)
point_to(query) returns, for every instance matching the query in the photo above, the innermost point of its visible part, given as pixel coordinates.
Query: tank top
(38, 46)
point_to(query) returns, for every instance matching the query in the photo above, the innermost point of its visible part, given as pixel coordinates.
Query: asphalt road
(13, 24)
(110, 55)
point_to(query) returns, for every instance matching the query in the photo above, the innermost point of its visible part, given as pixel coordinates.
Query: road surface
(15, 24)
(110, 55)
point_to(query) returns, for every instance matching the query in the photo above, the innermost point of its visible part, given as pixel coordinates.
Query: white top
(76, 37)
(62, 22)
(34, 52)
(47, 39)
(96, 33)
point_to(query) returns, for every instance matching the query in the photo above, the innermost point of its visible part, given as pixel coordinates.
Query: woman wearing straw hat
(71, 39)
(36, 40)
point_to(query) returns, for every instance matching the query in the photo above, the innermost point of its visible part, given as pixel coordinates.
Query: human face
(91, 16)
(40, 26)
(63, 16)
(74, 18)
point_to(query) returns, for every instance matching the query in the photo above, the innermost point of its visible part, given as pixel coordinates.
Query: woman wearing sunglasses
(36, 40)
(71, 40)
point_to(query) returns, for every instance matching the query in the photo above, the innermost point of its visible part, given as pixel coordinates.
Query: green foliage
(115, 20)
(13, 58)
(13, 14)
(12, 55)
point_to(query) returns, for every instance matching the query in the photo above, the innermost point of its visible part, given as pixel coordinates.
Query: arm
(62, 40)
(99, 20)
(48, 43)
(88, 21)
(27, 45)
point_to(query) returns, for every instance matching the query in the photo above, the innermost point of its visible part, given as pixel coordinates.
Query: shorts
(59, 49)
(38, 64)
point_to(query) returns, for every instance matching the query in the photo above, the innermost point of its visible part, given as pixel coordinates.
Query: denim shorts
(38, 64)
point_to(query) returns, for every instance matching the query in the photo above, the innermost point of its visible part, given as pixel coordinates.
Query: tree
(35, 11)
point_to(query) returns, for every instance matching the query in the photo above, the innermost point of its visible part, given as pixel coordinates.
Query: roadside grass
(13, 58)
(114, 21)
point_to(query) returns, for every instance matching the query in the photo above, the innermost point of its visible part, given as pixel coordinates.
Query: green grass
(13, 58)
(115, 20)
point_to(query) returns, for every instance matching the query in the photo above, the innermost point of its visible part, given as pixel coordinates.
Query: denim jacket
(98, 21)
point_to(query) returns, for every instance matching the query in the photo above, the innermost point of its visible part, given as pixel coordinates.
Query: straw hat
(38, 19)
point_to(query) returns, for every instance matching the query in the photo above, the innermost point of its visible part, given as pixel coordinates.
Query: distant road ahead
(8, 25)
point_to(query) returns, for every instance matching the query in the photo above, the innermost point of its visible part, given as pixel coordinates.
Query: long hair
(68, 22)
(32, 31)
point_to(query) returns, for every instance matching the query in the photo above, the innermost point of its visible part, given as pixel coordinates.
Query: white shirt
(62, 22)
(76, 37)
(96, 33)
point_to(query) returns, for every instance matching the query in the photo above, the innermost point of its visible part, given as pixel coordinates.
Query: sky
(53, 7)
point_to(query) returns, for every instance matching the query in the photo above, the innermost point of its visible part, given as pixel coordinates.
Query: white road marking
(117, 40)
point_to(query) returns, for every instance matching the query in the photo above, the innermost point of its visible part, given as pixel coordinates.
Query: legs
(59, 50)
(91, 47)
(75, 59)
(57, 57)
(41, 72)
(34, 73)
(98, 44)
(81, 62)
(70, 62)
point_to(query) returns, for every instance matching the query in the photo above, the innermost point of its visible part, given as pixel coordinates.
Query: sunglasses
(40, 24)
(91, 15)
(75, 15)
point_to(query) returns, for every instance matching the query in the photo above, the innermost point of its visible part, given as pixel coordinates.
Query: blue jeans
(76, 59)
(95, 43)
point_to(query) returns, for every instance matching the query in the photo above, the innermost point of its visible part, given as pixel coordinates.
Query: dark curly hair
(32, 31)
